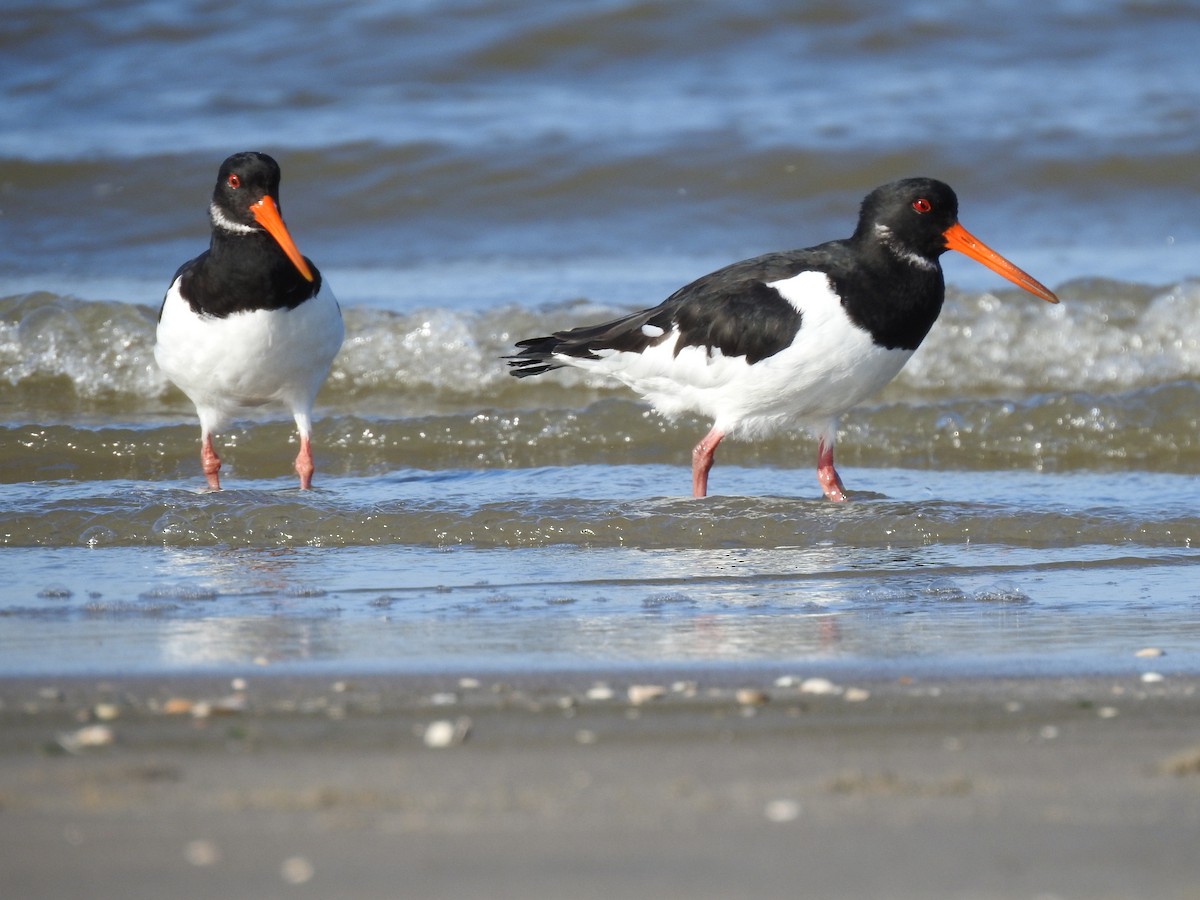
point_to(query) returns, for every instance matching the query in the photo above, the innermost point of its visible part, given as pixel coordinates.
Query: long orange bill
(267, 214)
(958, 238)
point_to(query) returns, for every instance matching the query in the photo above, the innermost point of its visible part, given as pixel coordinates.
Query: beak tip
(958, 238)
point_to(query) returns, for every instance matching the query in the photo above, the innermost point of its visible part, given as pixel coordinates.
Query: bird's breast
(256, 355)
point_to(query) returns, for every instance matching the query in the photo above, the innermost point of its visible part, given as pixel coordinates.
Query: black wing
(191, 263)
(733, 310)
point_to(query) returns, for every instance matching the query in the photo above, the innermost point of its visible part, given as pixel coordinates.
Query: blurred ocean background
(467, 173)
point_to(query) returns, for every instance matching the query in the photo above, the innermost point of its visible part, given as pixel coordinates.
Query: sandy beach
(711, 783)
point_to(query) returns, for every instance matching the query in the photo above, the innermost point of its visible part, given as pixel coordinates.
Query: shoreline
(692, 783)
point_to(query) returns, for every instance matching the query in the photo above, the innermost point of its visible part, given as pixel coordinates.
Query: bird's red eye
(233, 181)
(922, 205)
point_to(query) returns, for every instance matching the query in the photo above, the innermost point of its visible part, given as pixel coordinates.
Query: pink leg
(210, 463)
(831, 483)
(702, 461)
(304, 463)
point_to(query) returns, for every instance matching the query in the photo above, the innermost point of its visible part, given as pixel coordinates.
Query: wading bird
(791, 338)
(249, 323)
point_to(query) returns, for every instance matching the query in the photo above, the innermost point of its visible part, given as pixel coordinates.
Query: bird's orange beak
(267, 214)
(958, 238)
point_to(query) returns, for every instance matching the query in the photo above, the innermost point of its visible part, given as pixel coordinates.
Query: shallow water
(467, 174)
(592, 566)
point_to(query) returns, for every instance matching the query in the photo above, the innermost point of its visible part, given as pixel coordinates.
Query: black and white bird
(787, 339)
(249, 323)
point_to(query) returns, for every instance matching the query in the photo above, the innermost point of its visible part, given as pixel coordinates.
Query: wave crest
(61, 355)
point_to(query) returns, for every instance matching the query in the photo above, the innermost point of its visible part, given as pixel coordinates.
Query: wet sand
(683, 784)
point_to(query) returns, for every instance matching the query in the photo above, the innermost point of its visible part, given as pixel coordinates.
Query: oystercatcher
(791, 338)
(249, 322)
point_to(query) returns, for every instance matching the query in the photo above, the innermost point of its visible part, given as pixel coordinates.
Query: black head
(916, 221)
(246, 202)
(910, 217)
(243, 180)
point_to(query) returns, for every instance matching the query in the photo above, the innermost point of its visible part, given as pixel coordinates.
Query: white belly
(233, 365)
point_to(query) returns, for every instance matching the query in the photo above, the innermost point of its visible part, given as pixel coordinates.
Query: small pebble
(644, 693)
(106, 712)
(468, 684)
(87, 738)
(1151, 677)
(1186, 762)
(446, 733)
(819, 686)
(856, 695)
(1107, 712)
(296, 870)
(782, 811)
(238, 684)
(1048, 732)
(234, 703)
(202, 853)
(443, 698)
(1150, 653)
(599, 691)
(439, 733)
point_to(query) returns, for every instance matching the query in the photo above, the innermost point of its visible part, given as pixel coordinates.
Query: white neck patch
(220, 221)
(885, 237)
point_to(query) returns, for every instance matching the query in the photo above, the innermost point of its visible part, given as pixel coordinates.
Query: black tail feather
(623, 334)
(536, 357)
